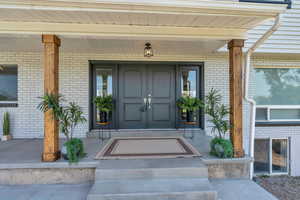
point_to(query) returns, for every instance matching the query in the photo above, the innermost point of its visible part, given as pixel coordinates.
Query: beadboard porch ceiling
(201, 26)
(30, 43)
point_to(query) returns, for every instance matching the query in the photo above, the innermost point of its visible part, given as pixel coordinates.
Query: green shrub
(75, 150)
(6, 124)
(221, 148)
(68, 117)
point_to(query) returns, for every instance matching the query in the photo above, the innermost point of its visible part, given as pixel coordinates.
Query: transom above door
(146, 96)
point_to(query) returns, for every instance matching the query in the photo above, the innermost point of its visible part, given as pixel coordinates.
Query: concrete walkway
(227, 190)
(45, 192)
(240, 190)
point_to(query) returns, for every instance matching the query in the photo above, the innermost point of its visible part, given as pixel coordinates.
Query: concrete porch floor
(28, 151)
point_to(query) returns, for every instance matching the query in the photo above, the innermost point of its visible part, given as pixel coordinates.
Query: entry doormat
(147, 147)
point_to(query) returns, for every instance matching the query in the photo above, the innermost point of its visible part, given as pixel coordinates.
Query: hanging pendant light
(148, 51)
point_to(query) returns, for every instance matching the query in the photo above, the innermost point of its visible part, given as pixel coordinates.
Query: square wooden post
(51, 133)
(236, 95)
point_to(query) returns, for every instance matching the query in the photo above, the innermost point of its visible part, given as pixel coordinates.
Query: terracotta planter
(6, 137)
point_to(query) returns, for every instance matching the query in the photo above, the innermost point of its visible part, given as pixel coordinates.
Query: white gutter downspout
(246, 85)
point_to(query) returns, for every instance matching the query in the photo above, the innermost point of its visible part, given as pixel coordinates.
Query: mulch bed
(283, 187)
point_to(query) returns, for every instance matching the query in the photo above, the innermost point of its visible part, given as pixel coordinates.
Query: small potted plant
(104, 105)
(191, 105)
(68, 118)
(6, 128)
(218, 112)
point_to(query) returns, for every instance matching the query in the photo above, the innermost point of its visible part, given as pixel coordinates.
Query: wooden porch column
(51, 134)
(236, 95)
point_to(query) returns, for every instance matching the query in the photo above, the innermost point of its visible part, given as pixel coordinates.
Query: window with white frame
(277, 94)
(8, 83)
(271, 156)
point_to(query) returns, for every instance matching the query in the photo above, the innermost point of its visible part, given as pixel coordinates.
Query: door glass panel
(261, 156)
(279, 155)
(189, 83)
(188, 88)
(103, 86)
(103, 82)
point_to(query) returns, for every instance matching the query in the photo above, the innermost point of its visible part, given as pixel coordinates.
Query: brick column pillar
(51, 133)
(236, 95)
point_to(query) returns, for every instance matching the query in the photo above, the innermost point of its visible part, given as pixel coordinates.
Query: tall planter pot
(103, 117)
(190, 116)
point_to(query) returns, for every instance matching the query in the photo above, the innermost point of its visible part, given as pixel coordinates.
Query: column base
(50, 157)
(239, 154)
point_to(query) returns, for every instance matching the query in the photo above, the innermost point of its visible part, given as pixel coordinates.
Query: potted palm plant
(68, 118)
(218, 113)
(6, 127)
(104, 105)
(191, 105)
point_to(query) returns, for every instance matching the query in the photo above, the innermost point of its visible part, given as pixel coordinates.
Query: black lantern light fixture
(148, 51)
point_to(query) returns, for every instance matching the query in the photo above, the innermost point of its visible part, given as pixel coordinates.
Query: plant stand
(104, 127)
(187, 125)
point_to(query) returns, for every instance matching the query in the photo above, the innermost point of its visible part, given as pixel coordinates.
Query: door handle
(149, 101)
(145, 106)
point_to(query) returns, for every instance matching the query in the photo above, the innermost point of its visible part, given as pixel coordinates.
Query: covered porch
(25, 167)
(182, 32)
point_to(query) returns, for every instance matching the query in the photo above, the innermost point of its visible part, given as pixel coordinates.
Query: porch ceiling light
(148, 51)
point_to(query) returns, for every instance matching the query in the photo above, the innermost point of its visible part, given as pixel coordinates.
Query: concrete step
(150, 168)
(153, 189)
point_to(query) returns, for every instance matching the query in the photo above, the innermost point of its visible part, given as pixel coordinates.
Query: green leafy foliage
(51, 102)
(221, 148)
(75, 150)
(190, 104)
(6, 125)
(104, 103)
(218, 113)
(68, 117)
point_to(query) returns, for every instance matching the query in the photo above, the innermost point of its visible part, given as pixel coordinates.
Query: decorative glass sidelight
(104, 87)
(103, 82)
(188, 81)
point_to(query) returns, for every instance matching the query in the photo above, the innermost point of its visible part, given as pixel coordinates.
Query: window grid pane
(261, 114)
(8, 83)
(261, 156)
(277, 86)
(284, 114)
(279, 155)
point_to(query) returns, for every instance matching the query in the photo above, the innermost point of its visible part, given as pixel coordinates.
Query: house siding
(286, 39)
(291, 132)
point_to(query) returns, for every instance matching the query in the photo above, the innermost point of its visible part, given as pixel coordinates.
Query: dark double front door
(146, 96)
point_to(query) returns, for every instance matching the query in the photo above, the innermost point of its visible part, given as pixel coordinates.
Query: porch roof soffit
(175, 19)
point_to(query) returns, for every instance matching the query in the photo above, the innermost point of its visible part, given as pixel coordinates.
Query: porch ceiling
(112, 46)
(177, 19)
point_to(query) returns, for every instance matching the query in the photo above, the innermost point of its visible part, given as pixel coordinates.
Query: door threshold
(152, 129)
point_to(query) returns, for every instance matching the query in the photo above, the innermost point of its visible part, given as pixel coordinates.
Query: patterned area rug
(147, 147)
